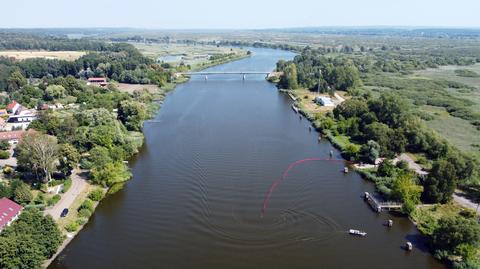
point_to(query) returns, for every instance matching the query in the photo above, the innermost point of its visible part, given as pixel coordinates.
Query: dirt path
(460, 199)
(78, 185)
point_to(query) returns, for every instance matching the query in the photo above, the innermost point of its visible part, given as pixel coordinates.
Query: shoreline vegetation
(93, 128)
(383, 134)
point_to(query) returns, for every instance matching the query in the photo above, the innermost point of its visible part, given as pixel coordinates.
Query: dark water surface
(198, 186)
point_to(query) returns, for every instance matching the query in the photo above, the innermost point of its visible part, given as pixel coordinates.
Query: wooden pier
(381, 206)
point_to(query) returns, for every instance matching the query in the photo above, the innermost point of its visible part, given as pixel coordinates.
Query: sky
(239, 14)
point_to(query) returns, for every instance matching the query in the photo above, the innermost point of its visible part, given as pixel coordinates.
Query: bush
(72, 227)
(66, 185)
(96, 195)
(84, 213)
(54, 200)
(4, 154)
(8, 170)
(403, 165)
(4, 145)
(81, 221)
(87, 204)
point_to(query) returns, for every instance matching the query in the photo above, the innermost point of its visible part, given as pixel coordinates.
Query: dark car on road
(64, 213)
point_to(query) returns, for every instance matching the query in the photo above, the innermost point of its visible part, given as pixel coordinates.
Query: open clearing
(448, 73)
(130, 88)
(188, 54)
(26, 54)
(458, 131)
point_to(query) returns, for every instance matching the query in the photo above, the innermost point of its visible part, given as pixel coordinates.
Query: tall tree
(440, 183)
(16, 81)
(38, 153)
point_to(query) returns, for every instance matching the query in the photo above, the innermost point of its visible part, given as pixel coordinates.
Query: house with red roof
(102, 82)
(13, 107)
(14, 136)
(9, 212)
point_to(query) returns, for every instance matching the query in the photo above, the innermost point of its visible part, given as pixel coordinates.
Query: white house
(324, 101)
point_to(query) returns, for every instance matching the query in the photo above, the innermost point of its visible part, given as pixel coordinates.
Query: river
(199, 183)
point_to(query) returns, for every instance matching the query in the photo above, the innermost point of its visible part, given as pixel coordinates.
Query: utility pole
(318, 85)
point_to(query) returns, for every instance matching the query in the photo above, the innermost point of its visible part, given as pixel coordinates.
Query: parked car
(64, 213)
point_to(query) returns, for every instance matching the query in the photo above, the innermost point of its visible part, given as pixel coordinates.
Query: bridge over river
(242, 73)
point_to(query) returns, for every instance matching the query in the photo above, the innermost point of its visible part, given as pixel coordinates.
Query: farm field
(27, 54)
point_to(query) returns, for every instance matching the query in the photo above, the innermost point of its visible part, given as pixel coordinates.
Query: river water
(199, 184)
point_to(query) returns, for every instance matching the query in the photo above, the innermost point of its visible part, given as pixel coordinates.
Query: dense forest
(117, 61)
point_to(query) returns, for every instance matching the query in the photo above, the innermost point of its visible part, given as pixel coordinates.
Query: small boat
(295, 108)
(390, 223)
(357, 232)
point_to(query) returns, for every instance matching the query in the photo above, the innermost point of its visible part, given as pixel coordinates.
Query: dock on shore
(381, 206)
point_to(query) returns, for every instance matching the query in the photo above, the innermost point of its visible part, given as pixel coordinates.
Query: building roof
(12, 105)
(12, 135)
(97, 79)
(8, 210)
(324, 100)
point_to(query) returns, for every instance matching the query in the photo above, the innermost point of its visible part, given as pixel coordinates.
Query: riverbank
(78, 197)
(386, 176)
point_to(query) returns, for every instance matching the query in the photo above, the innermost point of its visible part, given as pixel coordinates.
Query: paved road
(78, 185)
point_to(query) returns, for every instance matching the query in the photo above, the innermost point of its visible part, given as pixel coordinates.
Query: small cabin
(98, 81)
(324, 101)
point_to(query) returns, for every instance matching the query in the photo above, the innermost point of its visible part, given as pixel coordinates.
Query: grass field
(459, 132)
(26, 54)
(189, 54)
(448, 73)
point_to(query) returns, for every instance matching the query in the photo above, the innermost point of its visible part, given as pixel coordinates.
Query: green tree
(99, 157)
(354, 107)
(289, 79)
(386, 169)
(42, 229)
(22, 194)
(132, 114)
(38, 153)
(110, 174)
(370, 152)
(454, 232)
(16, 81)
(405, 189)
(440, 183)
(69, 158)
(55, 92)
(382, 134)
(346, 77)
(19, 252)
